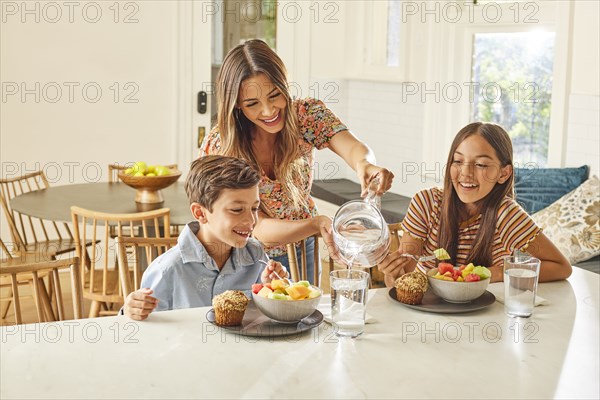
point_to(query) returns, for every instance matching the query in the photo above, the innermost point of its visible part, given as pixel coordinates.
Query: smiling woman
(258, 121)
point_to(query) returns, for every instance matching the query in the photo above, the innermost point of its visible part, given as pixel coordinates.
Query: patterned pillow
(572, 223)
(537, 188)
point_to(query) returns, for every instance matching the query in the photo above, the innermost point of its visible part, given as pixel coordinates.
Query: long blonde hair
(243, 62)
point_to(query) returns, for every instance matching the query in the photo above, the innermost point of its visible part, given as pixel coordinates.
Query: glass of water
(521, 274)
(349, 301)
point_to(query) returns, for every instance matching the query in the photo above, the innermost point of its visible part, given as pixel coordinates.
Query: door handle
(202, 97)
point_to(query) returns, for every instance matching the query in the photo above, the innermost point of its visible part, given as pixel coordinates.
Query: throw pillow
(572, 223)
(537, 188)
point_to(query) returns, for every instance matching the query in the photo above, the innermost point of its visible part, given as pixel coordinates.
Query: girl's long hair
(481, 251)
(246, 61)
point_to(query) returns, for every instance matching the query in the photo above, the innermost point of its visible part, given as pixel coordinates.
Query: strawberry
(445, 267)
(472, 278)
(455, 274)
(256, 287)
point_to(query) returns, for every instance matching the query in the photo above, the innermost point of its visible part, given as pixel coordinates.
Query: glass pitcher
(360, 232)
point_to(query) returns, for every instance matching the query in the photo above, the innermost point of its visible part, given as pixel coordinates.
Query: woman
(258, 121)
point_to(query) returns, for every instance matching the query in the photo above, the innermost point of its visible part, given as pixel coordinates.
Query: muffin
(417, 278)
(411, 287)
(230, 307)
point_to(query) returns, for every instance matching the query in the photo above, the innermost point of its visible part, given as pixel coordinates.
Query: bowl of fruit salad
(284, 302)
(459, 284)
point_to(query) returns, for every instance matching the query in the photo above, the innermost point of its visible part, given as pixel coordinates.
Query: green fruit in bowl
(159, 170)
(483, 272)
(139, 167)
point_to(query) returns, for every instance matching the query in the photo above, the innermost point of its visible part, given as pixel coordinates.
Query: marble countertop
(404, 353)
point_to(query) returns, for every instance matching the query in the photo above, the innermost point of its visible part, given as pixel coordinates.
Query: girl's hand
(139, 304)
(366, 172)
(268, 275)
(393, 265)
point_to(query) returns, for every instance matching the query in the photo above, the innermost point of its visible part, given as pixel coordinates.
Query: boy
(215, 252)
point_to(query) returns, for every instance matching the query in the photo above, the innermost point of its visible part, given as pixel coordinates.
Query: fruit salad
(464, 273)
(278, 289)
(441, 254)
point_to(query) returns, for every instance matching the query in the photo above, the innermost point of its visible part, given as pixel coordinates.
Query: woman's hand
(325, 226)
(272, 270)
(139, 304)
(366, 172)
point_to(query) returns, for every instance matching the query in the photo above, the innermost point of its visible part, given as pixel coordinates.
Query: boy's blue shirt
(186, 276)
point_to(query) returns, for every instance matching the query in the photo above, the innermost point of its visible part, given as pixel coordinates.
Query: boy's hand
(268, 275)
(139, 304)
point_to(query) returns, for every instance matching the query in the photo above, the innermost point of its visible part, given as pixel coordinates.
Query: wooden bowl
(148, 187)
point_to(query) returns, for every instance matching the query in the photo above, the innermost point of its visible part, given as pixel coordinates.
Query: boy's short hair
(209, 175)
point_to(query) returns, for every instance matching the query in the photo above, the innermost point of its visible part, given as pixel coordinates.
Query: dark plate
(435, 304)
(256, 323)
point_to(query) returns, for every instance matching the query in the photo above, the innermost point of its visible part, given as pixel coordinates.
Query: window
(514, 76)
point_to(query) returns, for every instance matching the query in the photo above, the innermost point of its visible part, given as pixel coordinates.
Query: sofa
(563, 201)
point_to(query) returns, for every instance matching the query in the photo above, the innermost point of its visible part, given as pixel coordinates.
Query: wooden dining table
(54, 203)
(403, 353)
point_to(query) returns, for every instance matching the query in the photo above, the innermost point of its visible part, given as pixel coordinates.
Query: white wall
(397, 130)
(583, 136)
(585, 65)
(74, 139)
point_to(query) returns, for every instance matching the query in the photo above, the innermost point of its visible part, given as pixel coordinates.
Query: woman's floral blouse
(318, 125)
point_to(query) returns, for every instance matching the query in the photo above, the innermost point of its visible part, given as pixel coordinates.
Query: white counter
(404, 354)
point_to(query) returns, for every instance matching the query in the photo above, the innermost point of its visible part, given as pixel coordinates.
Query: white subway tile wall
(583, 135)
(376, 113)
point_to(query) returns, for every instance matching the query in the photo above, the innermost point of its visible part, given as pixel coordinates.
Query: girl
(258, 121)
(475, 217)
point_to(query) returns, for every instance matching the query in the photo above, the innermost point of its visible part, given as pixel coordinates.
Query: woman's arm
(394, 266)
(362, 160)
(554, 265)
(274, 231)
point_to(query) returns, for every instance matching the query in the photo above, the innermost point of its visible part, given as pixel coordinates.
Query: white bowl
(456, 292)
(287, 311)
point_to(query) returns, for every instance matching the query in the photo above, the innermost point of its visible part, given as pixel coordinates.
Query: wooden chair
(131, 252)
(298, 267)
(30, 234)
(113, 176)
(113, 170)
(101, 282)
(16, 272)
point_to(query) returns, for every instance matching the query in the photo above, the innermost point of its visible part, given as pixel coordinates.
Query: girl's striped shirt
(514, 227)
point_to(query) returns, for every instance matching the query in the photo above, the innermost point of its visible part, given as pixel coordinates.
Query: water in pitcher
(361, 246)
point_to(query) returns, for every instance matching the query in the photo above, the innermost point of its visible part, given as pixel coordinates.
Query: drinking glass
(521, 274)
(349, 289)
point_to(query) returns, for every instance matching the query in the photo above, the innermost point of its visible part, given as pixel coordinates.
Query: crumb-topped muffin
(416, 277)
(411, 287)
(230, 307)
